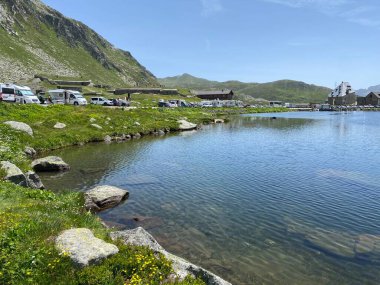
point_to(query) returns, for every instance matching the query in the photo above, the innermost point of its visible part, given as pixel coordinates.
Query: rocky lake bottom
(290, 198)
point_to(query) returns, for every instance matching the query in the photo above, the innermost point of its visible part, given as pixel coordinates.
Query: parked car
(59, 96)
(163, 104)
(7, 92)
(169, 104)
(206, 104)
(120, 102)
(101, 101)
(24, 95)
(76, 98)
(173, 103)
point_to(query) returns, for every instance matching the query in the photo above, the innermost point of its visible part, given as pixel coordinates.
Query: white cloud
(353, 11)
(211, 7)
(305, 3)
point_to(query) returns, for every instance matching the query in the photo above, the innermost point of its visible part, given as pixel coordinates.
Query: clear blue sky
(316, 41)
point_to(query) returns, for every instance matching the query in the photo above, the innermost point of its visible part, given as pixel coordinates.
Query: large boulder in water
(19, 126)
(13, 173)
(83, 247)
(104, 197)
(181, 267)
(50, 163)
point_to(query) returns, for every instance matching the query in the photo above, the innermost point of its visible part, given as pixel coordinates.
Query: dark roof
(377, 94)
(215, 92)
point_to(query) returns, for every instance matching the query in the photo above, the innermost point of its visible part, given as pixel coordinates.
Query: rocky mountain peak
(28, 21)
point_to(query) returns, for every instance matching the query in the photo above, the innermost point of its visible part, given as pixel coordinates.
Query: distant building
(224, 94)
(275, 103)
(373, 99)
(342, 95)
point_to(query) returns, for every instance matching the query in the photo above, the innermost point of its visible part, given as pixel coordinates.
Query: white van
(24, 95)
(62, 96)
(76, 98)
(7, 92)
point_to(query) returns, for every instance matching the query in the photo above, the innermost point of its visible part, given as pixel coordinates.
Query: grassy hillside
(36, 39)
(282, 90)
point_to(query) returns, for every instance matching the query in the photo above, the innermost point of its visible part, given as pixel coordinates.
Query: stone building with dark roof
(224, 94)
(373, 99)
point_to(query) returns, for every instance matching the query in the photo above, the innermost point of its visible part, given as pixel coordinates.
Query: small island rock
(83, 247)
(50, 163)
(13, 173)
(104, 197)
(19, 126)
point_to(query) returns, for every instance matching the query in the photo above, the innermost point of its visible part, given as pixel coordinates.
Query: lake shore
(33, 217)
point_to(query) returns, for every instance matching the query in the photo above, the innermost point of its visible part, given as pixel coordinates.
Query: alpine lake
(289, 198)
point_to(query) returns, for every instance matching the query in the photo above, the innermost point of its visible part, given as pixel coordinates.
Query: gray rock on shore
(13, 173)
(96, 126)
(181, 267)
(50, 163)
(186, 126)
(19, 126)
(30, 151)
(83, 247)
(104, 197)
(34, 180)
(107, 139)
(59, 126)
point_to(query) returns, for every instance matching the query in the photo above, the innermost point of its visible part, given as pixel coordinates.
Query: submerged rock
(104, 197)
(338, 243)
(50, 163)
(83, 247)
(19, 126)
(13, 173)
(181, 267)
(185, 125)
(368, 245)
(33, 180)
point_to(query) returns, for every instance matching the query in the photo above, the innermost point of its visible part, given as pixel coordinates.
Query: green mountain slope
(282, 90)
(36, 39)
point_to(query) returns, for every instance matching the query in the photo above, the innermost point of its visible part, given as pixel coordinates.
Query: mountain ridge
(365, 92)
(282, 90)
(40, 40)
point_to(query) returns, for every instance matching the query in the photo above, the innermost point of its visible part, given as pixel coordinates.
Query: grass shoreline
(30, 219)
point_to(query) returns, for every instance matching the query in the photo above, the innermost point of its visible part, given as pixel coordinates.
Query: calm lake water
(291, 200)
